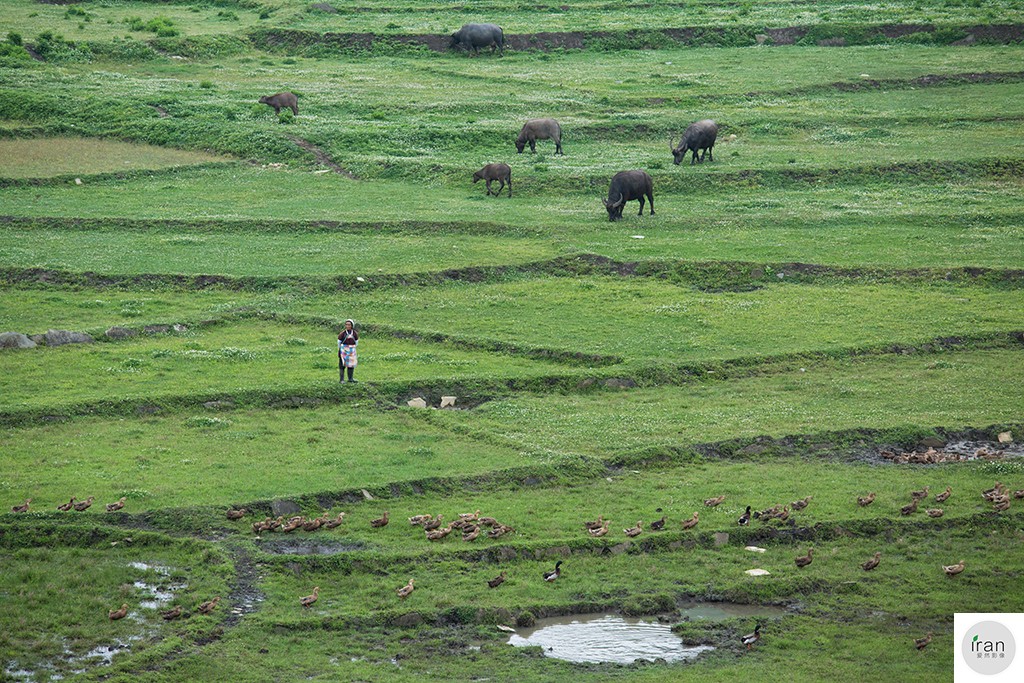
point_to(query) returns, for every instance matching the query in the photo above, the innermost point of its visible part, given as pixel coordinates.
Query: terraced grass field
(830, 308)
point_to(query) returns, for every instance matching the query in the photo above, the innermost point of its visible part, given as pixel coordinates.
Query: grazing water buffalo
(699, 136)
(627, 186)
(476, 36)
(280, 101)
(500, 172)
(539, 129)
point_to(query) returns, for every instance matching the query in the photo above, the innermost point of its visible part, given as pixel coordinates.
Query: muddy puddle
(304, 547)
(611, 638)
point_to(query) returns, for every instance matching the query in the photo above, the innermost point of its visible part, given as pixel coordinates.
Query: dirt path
(321, 156)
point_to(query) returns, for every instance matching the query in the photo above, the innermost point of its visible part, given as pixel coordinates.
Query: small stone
(366, 494)
(448, 401)
(281, 508)
(506, 629)
(755, 549)
(78, 181)
(762, 38)
(15, 340)
(1005, 437)
(360, 279)
(721, 538)
(118, 332)
(156, 329)
(638, 237)
(59, 337)
(180, 328)
(757, 572)
(417, 403)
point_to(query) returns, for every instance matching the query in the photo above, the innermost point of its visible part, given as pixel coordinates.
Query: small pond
(594, 638)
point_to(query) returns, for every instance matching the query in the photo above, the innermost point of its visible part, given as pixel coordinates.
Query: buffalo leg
(650, 197)
(510, 185)
(693, 160)
(711, 154)
(533, 146)
(641, 200)
(558, 147)
(295, 109)
(488, 187)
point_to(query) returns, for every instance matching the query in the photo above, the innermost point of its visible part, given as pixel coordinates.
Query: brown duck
(67, 506)
(171, 614)
(804, 560)
(953, 569)
(208, 606)
(116, 614)
(910, 508)
(801, 504)
(235, 514)
(21, 508)
(872, 563)
(380, 522)
(919, 495)
(864, 501)
(84, 505)
(690, 523)
(922, 643)
(634, 531)
(406, 590)
(310, 599)
(497, 580)
(712, 502)
(336, 522)
(944, 496)
(114, 507)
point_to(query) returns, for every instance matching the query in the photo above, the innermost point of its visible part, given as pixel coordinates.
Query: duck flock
(471, 525)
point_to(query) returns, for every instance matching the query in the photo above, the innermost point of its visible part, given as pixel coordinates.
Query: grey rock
(61, 337)
(721, 538)
(410, 619)
(219, 405)
(15, 340)
(178, 327)
(620, 548)
(280, 508)
(38, 338)
(156, 329)
(118, 332)
(933, 442)
(620, 382)
(762, 38)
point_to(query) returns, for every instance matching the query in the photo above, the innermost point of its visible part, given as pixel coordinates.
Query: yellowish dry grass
(44, 158)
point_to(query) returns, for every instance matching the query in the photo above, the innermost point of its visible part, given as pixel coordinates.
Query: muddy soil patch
(301, 546)
(244, 597)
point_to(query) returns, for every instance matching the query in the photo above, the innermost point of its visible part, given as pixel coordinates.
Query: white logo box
(981, 638)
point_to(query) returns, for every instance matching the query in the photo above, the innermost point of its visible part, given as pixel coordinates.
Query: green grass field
(842, 282)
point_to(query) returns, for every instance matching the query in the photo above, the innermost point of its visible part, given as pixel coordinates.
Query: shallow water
(606, 638)
(717, 611)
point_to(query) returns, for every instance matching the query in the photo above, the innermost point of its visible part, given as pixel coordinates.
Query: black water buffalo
(539, 129)
(280, 101)
(627, 186)
(475, 36)
(500, 172)
(698, 136)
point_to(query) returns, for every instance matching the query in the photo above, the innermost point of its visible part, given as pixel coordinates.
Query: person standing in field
(347, 341)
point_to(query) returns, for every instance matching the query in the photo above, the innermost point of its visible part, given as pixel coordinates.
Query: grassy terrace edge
(704, 275)
(473, 391)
